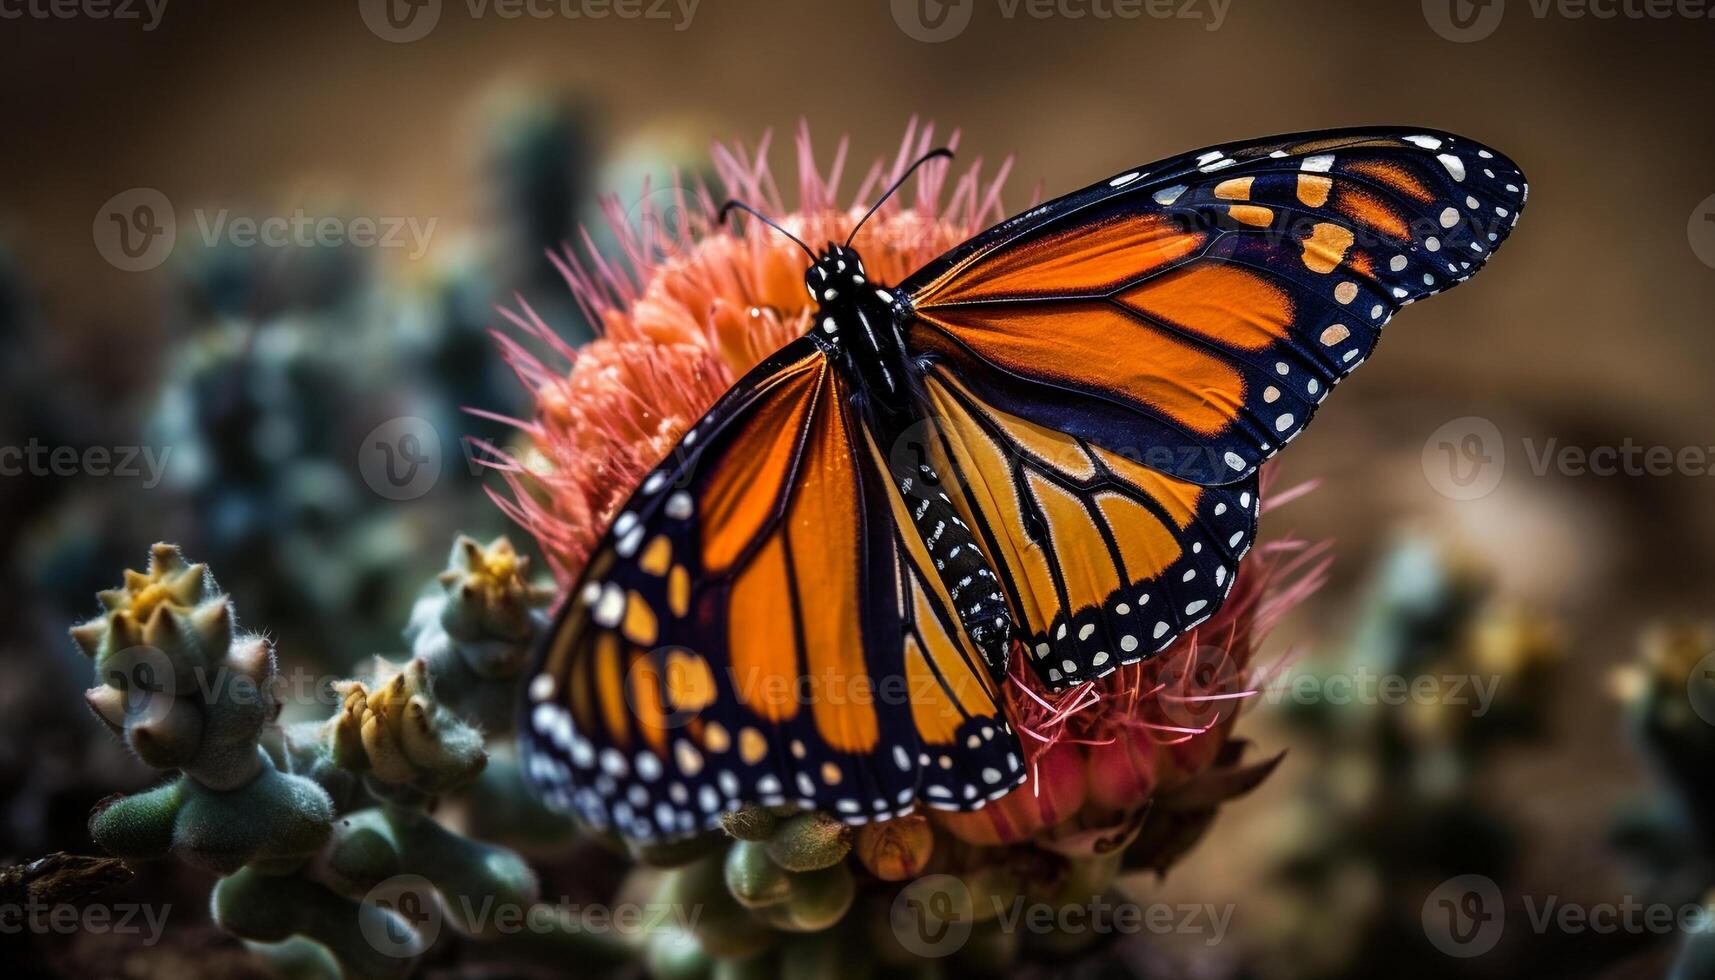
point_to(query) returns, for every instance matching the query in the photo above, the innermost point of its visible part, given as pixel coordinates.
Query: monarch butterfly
(1049, 437)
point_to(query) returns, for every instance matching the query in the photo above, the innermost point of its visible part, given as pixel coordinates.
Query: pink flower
(684, 313)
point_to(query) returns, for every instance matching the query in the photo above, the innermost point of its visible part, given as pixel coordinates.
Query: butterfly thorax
(858, 322)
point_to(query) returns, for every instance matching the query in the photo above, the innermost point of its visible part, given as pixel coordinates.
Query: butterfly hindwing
(967, 752)
(1107, 560)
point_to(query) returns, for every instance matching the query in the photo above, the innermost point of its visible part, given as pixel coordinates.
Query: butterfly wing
(1190, 316)
(750, 631)
(1106, 560)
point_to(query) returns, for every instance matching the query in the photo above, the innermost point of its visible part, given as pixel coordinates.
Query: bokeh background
(262, 372)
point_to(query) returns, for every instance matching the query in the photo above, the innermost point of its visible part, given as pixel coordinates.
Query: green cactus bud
(396, 732)
(809, 842)
(362, 853)
(304, 751)
(476, 630)
(818, 900)
(168, 734)
(753, 877)
(174, 682)
(275, 816)
(750, 822)
(490, 596)
(140, 826)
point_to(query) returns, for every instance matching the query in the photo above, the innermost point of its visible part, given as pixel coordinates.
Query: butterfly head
(837, 271)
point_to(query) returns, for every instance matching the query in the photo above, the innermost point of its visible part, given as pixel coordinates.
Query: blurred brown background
(1592, 329)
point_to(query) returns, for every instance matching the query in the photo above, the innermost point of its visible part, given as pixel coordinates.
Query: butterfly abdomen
(961, 565)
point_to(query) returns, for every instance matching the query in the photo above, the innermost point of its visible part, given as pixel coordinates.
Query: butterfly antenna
(925, 158)
(736, 205)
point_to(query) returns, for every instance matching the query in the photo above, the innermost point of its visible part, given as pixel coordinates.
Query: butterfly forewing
(756, 628)
(1190, 316)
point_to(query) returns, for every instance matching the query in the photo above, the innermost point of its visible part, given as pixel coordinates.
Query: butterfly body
(859, 325)
(1045, 441)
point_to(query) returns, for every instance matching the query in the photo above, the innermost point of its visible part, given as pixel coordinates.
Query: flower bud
(895, 850)
(753, 877)
(809, 842)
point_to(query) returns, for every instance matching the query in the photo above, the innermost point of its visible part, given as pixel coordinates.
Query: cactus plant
(476, 627)
(319, 829)
(186, 692)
